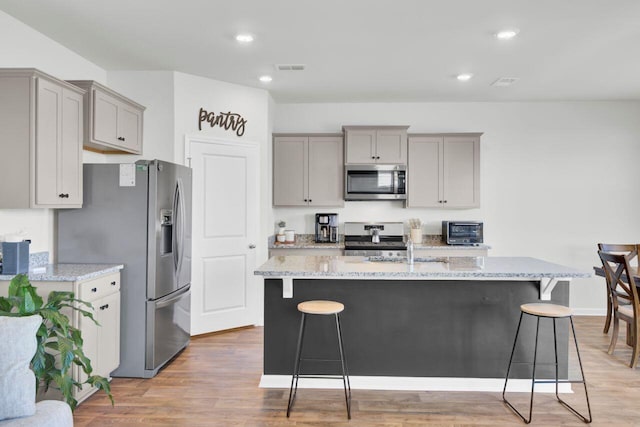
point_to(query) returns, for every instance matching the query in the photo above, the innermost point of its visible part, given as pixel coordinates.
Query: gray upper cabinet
(375, 144)
(308, 170)
(41, 130)
(113, 123)
(444, 170)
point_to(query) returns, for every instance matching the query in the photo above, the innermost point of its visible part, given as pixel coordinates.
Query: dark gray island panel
(413, 328)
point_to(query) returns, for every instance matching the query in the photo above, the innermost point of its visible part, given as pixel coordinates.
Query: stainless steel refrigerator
(140, 216)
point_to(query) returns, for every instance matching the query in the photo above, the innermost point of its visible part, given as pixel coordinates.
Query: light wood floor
(214, 382)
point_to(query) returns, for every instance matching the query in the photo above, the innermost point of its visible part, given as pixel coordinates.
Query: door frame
(198, 138)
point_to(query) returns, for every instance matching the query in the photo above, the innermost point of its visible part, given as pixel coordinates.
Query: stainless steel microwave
(375, 182)
(462, 232)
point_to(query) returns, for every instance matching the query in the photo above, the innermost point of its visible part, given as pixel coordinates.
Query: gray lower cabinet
(379, 144)
(444, 170)
(40, 141)
(308, 170)
(113, 122)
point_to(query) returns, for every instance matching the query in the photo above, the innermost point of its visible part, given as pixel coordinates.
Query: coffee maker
(326, 228)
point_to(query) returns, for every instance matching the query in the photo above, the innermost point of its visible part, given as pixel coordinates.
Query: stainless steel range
(374, 239)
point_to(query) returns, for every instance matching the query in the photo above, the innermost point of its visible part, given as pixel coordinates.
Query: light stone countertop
(307, 241)
(68, 272)
(519, 268)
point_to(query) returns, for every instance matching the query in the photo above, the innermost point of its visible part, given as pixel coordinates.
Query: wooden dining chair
(621, 281)
(623, 249)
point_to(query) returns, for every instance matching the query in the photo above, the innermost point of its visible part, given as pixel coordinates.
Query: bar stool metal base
(556, 381)
(296, 370)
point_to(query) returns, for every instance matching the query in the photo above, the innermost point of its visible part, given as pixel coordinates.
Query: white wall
(194, 92)
(24, 47)
(556, 178)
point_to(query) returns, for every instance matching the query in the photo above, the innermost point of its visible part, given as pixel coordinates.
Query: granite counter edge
(83, 272)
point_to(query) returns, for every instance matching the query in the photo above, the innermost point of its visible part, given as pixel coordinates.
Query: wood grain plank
(214, 382)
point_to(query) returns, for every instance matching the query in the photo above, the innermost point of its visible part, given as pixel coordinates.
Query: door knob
(252, 246)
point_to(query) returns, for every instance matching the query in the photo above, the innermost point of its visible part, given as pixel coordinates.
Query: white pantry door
(225, 231)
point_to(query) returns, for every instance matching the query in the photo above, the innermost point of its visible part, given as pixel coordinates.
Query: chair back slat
(620, 277)
(617, 248)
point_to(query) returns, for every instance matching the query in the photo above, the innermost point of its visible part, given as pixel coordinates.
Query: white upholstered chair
(18, 407)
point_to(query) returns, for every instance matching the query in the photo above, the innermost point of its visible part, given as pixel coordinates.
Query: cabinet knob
(94, 289)
(445, 201)
(373, 157)
(121, 138)
(252, 246)
(439, 201)
(310, 200)
(104, 307)
(113, 283)
(306, 200)
(377, 157)
(63, 195)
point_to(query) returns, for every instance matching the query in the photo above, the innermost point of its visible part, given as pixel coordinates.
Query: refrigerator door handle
(174, 298)
(180, 226)
(176, 223)
(183, 214)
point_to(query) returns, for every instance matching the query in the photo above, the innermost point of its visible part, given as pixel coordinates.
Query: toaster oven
(462, 232)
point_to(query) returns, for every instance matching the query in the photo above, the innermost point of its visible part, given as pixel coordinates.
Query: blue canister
(15, 257)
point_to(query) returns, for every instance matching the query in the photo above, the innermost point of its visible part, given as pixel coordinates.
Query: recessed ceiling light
(244, 38)
(265, 79)
(507, 34)
(464, 77)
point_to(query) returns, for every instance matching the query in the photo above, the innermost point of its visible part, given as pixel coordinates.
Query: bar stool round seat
(546, 310)
(553, 312)
(321, 307)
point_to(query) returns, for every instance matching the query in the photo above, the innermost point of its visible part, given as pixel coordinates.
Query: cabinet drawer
(97, 288)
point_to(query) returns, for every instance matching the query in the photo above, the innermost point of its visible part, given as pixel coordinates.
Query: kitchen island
(441, 323)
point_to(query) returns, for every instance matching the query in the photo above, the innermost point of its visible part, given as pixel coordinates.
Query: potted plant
(59, 344)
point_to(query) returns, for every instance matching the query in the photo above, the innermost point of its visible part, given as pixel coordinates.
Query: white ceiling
(363, 50)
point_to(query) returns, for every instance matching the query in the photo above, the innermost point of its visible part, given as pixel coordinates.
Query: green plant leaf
(83, 361)
(101, 383)
(76, 336)
(5, 306)
(59, 321)
(65, 384)
(65, 347)
(19, 281)
(21, 288)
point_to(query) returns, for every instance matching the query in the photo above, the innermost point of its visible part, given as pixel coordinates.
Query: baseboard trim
(590, 311)
(414, 384)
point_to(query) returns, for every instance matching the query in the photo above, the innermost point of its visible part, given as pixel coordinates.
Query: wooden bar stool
(554, 312)
(324, 308)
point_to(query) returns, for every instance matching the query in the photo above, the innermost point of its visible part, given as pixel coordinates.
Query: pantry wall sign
(228, 120)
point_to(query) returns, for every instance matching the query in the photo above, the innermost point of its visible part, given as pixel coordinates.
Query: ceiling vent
(505, 81)
(290, 67)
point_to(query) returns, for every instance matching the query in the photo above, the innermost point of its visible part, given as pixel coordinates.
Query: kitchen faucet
(410, 251)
